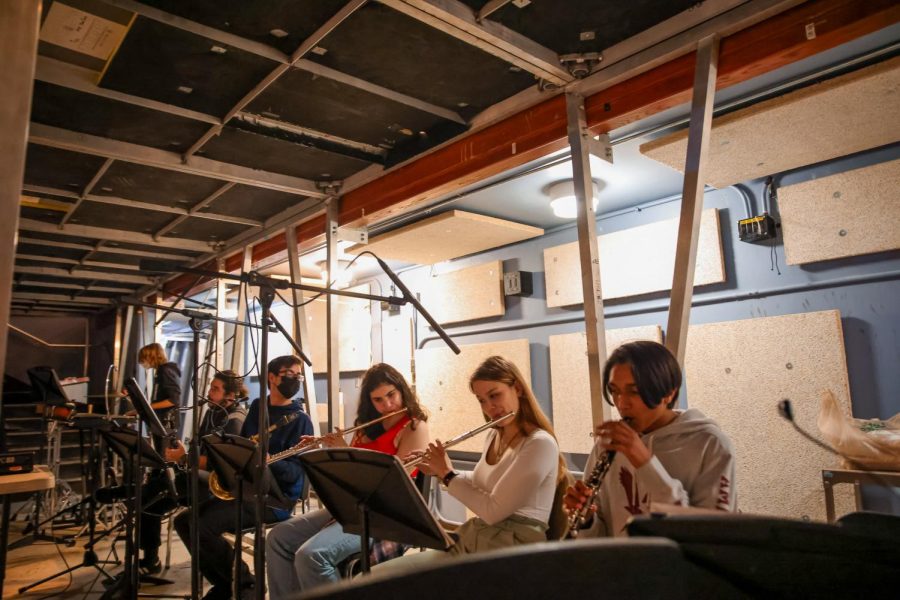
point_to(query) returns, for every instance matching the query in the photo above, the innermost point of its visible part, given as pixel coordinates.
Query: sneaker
(150, 566)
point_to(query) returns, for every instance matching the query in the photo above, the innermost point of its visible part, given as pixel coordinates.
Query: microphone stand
(267, 287)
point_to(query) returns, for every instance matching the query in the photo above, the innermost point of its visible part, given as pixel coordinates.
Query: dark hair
(378, 375)
(232, 383)
(655, 370)
(281, 362)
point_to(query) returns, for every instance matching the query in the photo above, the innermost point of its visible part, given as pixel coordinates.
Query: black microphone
(786, 410)
(410, 297)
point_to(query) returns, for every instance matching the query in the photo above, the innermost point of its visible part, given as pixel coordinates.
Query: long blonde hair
(152, 355)
(497, 368)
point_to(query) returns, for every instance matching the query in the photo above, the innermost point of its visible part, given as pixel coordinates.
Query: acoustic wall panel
(466, 294)
(354, 332)
(570, 387)
(738, 371)
(443, 386)
(840, 116)
(847, 214)
(639, 260)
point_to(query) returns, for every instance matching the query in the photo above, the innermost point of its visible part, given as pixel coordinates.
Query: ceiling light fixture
(562, 199)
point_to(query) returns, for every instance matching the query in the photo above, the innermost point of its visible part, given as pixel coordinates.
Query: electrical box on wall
(757, 229)
(517, 283)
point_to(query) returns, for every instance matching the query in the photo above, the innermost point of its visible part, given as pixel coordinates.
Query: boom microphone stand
(267, 287)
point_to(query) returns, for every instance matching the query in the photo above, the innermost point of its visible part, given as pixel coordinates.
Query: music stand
(369, 493)
(136, 453)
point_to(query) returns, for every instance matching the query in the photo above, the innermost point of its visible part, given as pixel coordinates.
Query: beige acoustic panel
(396, 343)
(466, 294)
(354, 332)
(848, 214)
(443, 386)
(570, 387)
(634, 261)
(847, 114)
(738, 371)
(447, 235)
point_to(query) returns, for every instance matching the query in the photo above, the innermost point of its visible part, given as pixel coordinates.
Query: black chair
(857, 557)
(611, 568)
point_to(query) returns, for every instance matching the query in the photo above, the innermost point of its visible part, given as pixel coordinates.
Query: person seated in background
(662, 454)
(305, 551)
(216, 517)
(512, 488)
(224, 414)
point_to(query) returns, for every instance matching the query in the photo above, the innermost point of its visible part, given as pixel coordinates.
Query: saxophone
(593, 481)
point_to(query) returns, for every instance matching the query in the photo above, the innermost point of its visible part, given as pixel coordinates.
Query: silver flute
(594, 480)
(460, 438)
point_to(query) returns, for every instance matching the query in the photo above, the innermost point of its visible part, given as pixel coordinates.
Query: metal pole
(301, 331)
(221, 306)
(266, 297)
(331, 320)
(692, 197)
(580, 141)
(194, 461)
(19, 25)
(237, 343)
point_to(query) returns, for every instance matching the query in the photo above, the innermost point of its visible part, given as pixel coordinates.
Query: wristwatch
(446, 479)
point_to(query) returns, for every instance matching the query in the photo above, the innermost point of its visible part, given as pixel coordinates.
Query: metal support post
(301, 330)
(237, 343)
(580, 141)
(692, 196)
(331, 320)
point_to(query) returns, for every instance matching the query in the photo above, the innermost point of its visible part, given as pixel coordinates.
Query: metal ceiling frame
(81, 79)
(61, 298)
(192, 211)
(461, 22)
(64, 139)
(73, 261)
(308, 44)
(73, 286)
(87, 190)
(151, 206)
(90, 249)
(114, 235)
(273, 54)
(86, 275)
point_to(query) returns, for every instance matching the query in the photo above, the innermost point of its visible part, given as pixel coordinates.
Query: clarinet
(579, 517)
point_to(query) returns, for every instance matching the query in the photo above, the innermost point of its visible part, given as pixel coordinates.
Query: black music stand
(369, 493)
(136, 453)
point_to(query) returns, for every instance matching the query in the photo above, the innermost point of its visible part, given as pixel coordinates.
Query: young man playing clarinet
(661, 454)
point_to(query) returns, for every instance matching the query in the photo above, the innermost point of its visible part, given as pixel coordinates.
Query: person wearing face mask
(217, 517)
(305, 551)
(224, 414)
(663, 455)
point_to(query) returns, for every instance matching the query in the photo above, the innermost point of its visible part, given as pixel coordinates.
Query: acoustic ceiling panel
(59, 168)
(157, 186)
(176, 67)
(849, 214)
(87, 113)
(206, 229)
(125, 218)
(388, 48)
(847, 114)
(252, 202)
(445, 236)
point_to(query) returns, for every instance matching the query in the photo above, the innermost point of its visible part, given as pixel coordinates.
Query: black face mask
(289, 386)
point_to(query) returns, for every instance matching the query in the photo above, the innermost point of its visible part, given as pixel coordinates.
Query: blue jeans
(304, 552)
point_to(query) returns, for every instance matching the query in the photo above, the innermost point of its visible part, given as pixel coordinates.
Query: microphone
(410, 297)
(786, 410)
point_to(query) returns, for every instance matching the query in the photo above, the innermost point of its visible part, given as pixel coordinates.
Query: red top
(384, 442)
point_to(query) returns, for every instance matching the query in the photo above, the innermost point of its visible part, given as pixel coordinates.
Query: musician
(217, 516)
(304, 552)
(512, 488)
(166, 386)
(664, 455)
(225, 414)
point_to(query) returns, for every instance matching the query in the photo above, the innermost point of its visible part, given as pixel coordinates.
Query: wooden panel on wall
(570, 386)
(396, 342)
(634, 261)
(443, 386)
(448, 235)
(847, 214)
(837, 117)
(466, 294)
(355, 332)
(738, 371)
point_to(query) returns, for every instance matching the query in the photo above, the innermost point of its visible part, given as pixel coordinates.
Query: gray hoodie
(692, 465)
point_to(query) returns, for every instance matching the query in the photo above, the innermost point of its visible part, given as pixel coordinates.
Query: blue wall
(866, 291)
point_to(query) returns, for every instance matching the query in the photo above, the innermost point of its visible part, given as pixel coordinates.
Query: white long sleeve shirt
(521, 483)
